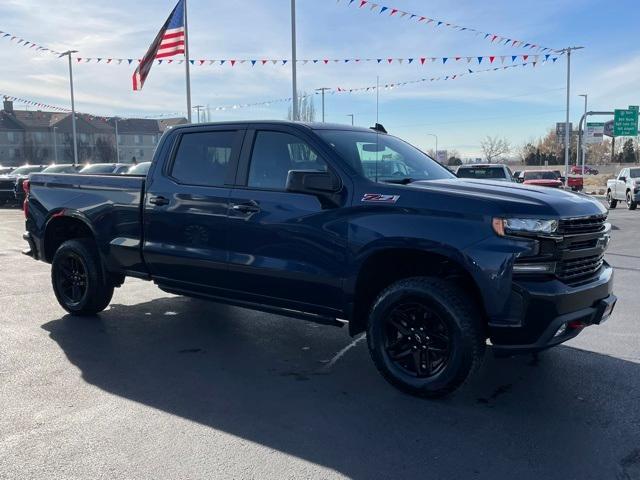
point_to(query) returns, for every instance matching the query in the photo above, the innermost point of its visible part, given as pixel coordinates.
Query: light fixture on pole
(323, 89)
(350, 115)
(68, 53)
(436, 137)
(294, 61)
(567, 133)
(585, 95)
(197, 108)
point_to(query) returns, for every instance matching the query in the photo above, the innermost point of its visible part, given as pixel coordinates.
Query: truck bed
(110, 205)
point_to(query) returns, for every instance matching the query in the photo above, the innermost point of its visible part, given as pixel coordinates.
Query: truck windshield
(383, 158)
(481, 172)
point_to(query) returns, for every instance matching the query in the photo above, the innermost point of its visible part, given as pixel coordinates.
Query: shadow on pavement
(258, 377)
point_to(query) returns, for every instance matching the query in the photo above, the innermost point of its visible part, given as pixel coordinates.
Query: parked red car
(550, 178)
(577, 170)
(540, 178)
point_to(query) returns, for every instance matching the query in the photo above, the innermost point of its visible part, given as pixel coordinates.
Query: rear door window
(203, 158)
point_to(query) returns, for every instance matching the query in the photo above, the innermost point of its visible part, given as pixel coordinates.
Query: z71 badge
(379, 198)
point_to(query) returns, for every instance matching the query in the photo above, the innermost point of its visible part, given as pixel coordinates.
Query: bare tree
(526, 149)
(494, 148)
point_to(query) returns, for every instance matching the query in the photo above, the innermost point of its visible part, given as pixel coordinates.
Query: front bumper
(547, 306)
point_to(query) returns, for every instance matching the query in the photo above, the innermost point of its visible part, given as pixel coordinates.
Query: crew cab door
(285, 249)
(621, 185)
(186, 206)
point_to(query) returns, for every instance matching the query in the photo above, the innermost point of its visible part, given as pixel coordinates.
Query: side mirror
(323, 185)
(623, 179)
(312, 182)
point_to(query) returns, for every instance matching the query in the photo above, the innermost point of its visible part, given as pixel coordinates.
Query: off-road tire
(97, 290)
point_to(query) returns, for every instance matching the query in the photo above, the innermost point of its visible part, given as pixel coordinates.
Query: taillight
(26, 185)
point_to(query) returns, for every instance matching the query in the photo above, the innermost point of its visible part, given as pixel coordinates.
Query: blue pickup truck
(337, 225)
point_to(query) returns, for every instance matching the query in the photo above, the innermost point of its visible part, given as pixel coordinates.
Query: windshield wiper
(399, 181)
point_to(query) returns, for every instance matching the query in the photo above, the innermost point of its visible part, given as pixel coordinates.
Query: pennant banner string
(34, 103)
(435, 23)
(334, 91)
(387, 86)
(41, 105)
(27, 44)
(418, 60)
(232, 62)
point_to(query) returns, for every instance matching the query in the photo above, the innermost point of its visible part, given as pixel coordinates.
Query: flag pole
(187, 62)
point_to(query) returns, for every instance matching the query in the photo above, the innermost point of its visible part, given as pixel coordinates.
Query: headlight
(504, 226)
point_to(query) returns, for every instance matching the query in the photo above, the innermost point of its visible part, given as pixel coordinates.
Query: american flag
(170, 41)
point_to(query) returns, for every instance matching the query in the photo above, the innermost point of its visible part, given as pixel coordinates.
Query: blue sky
(520, 104)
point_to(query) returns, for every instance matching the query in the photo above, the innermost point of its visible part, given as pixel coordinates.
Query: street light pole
(436, 137)
(585, 95)
(294, 62)
(73, 107)
(567, 133)
(350, 115)
(323, 89)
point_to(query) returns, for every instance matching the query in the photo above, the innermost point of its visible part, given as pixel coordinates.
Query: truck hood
(513, 198)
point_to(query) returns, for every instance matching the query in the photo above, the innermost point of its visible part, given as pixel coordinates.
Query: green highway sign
(625, 123)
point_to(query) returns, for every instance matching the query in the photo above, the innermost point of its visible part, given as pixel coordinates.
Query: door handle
(250, 207)
(159, 201)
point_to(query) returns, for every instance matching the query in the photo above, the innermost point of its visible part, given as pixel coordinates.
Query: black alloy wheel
(71, 279)
(425, 335)
(417, 340)
(79, 281)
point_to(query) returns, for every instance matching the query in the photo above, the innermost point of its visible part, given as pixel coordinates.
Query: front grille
(583, 244)
(572, 226)
(576, 270)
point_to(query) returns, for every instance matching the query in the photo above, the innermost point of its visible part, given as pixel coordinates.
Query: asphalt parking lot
(165, 387)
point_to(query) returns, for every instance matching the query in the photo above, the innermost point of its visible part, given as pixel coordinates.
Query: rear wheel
(611, 201)
(631, 204)
(78, 278)
(425, 337)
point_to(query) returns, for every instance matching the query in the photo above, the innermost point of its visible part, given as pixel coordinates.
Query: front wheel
(611, 201)
(425, 337)
(78, 280)
(631, 204)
